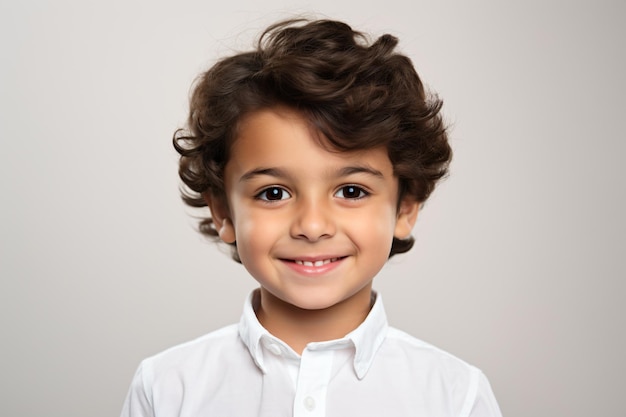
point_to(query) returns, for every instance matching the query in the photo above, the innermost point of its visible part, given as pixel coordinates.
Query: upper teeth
(316, 263)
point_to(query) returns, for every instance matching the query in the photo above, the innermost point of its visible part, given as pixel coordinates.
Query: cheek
(255, 234)
(373, 234)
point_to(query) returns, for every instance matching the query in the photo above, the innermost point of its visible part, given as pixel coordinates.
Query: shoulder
(185, 372)
(205, 352)
(420, 365)
(420, 352)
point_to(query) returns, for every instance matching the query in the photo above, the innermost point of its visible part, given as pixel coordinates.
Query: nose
(313, 221)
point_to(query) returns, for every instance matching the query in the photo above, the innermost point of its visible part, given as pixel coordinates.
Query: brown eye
(273, 194)
(351, 192)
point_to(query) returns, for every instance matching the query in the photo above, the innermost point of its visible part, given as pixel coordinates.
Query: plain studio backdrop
(519, 262)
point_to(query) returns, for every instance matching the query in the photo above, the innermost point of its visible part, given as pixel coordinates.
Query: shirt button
(309, 403)
(275, 349)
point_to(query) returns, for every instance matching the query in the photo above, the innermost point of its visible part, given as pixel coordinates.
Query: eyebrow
(270, 172)
(343, 172)
(359, 169)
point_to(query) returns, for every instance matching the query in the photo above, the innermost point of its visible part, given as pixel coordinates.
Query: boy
(314, 153)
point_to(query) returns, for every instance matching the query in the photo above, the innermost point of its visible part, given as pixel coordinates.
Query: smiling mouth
(314, 266)
(316, 263)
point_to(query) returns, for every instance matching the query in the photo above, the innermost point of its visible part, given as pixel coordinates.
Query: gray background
(519, 262)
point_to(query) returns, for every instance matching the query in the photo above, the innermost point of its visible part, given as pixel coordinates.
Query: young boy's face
(312, 226)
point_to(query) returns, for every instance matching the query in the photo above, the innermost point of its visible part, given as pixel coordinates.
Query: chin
(311, 304)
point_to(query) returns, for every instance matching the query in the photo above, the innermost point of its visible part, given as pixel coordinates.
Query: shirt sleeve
(484, 404)
(137, 403)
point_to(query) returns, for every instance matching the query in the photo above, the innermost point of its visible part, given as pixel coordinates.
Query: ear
(221, 217)
(406, 218)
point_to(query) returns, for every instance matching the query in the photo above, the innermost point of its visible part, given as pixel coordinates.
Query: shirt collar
(366, 339)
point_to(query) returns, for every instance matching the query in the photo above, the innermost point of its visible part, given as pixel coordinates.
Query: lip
(317, 265)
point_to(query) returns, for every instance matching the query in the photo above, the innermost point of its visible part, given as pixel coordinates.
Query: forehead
(281, 136)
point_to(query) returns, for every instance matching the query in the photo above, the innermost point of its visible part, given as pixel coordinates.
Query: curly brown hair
(359, 95)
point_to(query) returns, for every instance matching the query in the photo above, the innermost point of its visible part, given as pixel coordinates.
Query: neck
(298, 327)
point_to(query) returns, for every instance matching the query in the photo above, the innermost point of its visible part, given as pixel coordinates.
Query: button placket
(313, 378)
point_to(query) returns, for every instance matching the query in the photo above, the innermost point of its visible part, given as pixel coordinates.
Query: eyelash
(352, 188)
(283, 194)
(263, 195)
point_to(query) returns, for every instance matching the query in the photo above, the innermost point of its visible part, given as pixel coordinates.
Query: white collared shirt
(242, 370)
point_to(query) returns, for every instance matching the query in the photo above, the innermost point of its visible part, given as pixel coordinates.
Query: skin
(313, 226)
